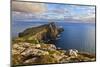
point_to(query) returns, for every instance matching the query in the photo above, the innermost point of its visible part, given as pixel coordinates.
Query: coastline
(31, 48)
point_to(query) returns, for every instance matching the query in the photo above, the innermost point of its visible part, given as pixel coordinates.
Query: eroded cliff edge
(30, 47)
(44, 32)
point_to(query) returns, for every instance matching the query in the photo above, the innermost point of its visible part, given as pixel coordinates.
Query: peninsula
(32, 47)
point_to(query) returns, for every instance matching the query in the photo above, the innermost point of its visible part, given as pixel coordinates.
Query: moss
(54, 52)
(62, 51)
(17, 59)
(32, 41)
(16, 41)
(46, 59)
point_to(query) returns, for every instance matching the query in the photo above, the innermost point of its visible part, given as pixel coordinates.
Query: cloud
(60, 10)
(85, 18)
(28, 7)
(23, 16)
(41, 11)
(87, 14)
(89, 18)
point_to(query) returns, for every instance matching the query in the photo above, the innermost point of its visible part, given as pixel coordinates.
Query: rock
(47, 59)
(32, 51)
(38, 45)
(25, 44)
(44, 32)
(17, 48)
(48, 47)
(31, 61)
(60, 29)
(14, 51)
(31, 47)
(51, 46)
(64, 59)
(73, 52)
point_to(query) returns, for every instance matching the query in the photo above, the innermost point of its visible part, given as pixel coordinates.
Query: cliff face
(44, 32)
(25, 52)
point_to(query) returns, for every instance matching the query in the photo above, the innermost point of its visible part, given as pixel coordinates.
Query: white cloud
(28, 7)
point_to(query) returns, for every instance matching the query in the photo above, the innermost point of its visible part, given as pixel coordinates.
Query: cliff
(44, 32)
(28, 49)
(24, 53)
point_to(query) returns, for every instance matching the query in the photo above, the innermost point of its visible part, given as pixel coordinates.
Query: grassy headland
(31, 47)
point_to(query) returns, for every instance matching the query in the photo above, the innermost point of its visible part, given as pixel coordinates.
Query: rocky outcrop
(24, 53)
(44, 32)
(30, 48)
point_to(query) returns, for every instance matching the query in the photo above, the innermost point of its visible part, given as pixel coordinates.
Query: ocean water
(80, 36)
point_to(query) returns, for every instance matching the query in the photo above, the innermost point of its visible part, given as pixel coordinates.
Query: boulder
(73, 52)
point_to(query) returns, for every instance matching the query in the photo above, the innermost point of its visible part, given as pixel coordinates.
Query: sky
(31, 11)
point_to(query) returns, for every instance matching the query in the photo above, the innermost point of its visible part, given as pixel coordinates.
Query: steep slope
(28, 48)
(44, 32)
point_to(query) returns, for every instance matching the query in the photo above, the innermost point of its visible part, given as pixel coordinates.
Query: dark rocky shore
(33, 47)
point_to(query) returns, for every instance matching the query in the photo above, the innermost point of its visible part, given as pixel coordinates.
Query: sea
(76, 35)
